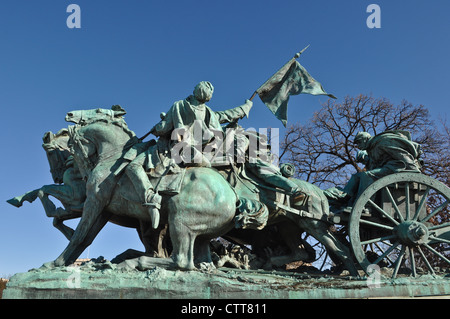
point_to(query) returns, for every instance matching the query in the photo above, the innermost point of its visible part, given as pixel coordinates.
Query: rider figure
(383, 154)
(261, 164)
(181, 115)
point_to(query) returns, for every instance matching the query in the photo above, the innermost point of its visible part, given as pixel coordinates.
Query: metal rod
(407, 200)
(413, 262)
(387, 252)
(422, 202)
(394, 204)
(425, 260)
(370, 241)
(363, 221)
(437, 210)
(437, 253)
(379, 209)
(398, 262)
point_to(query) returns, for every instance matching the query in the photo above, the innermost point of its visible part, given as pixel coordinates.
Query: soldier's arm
(234, 113)
(166, 125)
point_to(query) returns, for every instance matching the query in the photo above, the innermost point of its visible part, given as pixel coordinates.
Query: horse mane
(113, 116)
(116, 121)
(51, 141)
(57, 150)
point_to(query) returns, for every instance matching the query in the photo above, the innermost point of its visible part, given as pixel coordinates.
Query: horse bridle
(78, 141)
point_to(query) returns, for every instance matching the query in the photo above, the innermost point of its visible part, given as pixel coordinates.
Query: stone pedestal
(156, 280)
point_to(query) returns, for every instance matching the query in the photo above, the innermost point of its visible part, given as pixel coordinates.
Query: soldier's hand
(362, 157)
(246, 107)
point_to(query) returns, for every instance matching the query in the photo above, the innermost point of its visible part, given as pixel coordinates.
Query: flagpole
(300, 53)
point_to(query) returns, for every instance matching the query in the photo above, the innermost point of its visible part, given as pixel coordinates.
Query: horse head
(57, 150)
(99, 135)
(84, 117)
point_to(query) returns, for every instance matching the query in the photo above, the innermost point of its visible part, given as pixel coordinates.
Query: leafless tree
(323, 152)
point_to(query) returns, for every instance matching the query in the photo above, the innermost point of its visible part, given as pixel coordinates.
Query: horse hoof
(207, 267)
(15, 202)
(48, 265)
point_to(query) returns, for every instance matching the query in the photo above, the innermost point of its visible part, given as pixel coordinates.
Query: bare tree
(322, 150)
(437, 155)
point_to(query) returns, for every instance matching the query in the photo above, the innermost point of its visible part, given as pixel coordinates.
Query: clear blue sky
(144, 55)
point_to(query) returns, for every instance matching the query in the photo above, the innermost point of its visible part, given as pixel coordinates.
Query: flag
(291, 79)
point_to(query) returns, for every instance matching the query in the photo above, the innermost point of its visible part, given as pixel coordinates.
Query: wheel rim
(401, 236)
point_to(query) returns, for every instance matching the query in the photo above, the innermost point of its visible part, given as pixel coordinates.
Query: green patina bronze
(185, 188)
(100, 279)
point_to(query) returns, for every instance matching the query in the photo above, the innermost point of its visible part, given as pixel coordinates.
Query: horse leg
(300, 250)
(49, 207)
(64, 229)
(183, 244)
(319, 230)
(99, 186)
(154, 240)
(59, 214)
(29, 197)
(91, 222)
(64, 195)
(202, 252)
(69, 196)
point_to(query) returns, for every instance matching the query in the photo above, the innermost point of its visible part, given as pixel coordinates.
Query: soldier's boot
(153, 202)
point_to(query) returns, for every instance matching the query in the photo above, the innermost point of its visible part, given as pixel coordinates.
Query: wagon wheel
(391, 233)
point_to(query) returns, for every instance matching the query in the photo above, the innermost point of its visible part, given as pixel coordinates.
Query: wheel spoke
(422, 202)
(413, 262)
(385, 214)
(394, 204)
(387, 252)
(407, 201)
(390, 245)
(440, 240)
(398, 262)
(366, 222)
(437, 210)
(439, 226)
(425, 260)
(374, 240)
(437, 253)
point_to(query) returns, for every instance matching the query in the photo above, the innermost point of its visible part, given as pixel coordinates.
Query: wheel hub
(412, 233)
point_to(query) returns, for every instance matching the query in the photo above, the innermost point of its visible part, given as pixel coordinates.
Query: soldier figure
(182, 115)
(383, 154)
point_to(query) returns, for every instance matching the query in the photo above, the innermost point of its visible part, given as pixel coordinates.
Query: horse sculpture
(70, 190)
(311, 217)
(99, 140)
(206, 206)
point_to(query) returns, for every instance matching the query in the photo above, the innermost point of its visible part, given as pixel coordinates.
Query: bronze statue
(183, 114)
(387, 153)
(177, 184)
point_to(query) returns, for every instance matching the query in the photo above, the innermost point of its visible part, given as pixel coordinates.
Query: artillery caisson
(401, 221)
